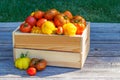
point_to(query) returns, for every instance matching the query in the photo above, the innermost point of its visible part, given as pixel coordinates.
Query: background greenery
(91, 10)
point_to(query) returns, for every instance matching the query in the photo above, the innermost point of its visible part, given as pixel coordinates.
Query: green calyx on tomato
(78, 19)
(23, 55)
(65, 17)
(22, 62)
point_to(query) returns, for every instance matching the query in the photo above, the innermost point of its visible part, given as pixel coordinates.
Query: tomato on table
(31, 71)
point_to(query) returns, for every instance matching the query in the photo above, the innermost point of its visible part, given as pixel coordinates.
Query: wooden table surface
(103, 61)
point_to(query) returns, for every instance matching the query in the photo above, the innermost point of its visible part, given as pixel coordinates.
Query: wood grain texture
(102, 63)
(54, 58)
(47, 42)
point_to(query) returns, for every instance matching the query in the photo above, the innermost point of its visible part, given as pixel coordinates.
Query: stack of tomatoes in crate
(53, 22)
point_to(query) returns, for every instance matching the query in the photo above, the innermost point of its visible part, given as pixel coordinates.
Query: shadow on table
(8, 70)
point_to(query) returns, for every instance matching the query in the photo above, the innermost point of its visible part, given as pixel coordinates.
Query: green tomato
(22, 62)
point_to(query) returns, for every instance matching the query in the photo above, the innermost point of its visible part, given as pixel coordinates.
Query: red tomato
(50, 14)
(31, 71)
(68, 14)
(31, 20)
(40, 22)
(59, 30)
(61, 19)
(25, 27)
(38, 14)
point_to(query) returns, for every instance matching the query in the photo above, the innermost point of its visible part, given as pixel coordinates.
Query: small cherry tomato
(31, 71)
(59, 30)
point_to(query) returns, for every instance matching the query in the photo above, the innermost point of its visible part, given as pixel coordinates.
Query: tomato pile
(30, 65)
(53, 21)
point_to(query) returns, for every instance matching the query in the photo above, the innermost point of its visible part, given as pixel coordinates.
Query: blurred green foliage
(91, 10)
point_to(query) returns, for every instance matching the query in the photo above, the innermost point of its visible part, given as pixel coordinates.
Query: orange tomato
(40, 22)
(50, 14)
(61, 19)
(59, 30)
(80, 28)
(38, 14)
(69, 14)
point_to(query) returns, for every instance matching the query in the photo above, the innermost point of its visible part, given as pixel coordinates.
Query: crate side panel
(86, 47)
(60, 43)
(54, 58)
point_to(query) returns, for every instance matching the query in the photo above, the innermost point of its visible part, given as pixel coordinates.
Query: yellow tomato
(48, 27)
(69, 29)
(22, 63)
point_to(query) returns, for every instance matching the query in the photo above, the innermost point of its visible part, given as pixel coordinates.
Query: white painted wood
(54, 58)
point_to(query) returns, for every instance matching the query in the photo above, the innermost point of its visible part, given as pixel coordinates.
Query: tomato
(80, 28)
(41, 65)
(59, 30)
(78, 19)
(40, 22)
(25, 27)
(48, 27)
(50, 14)
(33, 62)
(61, 19)
(31, 20)
(22, 62)
(69, 29)
(80, 23)
(38, 14)
(31, 71)
(68, 14)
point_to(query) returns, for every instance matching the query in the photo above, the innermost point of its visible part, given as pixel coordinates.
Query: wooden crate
(58, 50)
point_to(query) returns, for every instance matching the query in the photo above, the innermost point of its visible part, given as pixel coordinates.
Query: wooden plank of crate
(86, 46)
(48, 42)
(54, 58)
